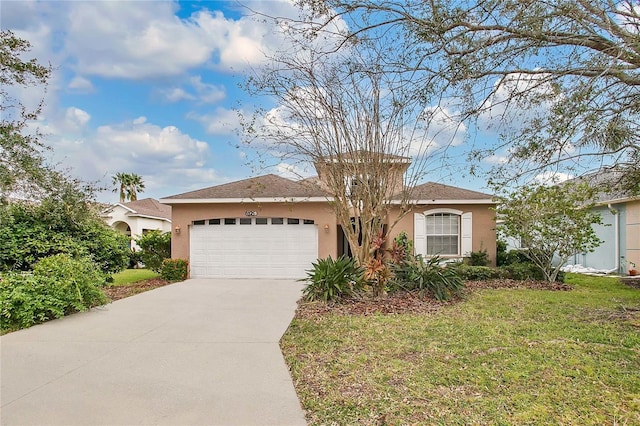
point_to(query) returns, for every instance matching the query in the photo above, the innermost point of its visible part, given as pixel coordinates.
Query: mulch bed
(404, 302)
(120, 292)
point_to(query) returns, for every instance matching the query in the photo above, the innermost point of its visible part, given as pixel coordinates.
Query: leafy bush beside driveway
(155, 247)
(58, 285)
(31, 232)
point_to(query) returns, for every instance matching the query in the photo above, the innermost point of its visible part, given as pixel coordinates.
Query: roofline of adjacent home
(149, 216)
(305, 200)
(113, 206)
(617, 201)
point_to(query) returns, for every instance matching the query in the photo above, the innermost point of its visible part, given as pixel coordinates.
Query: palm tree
(128, 184)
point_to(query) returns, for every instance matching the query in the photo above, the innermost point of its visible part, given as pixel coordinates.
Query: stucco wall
(484, 226)
(183, 216)
(633, 232)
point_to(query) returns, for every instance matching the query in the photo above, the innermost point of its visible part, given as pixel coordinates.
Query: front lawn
(133, 281)
(130, 276)
(500, 356)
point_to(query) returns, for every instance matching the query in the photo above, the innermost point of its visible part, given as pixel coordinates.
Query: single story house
(272, 227)
(620, 229)
(136, 218)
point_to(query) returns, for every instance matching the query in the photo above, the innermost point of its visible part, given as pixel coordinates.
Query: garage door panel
(252, 251)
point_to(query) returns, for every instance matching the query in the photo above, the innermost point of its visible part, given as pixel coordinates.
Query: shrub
(523, 271)
(332, 279)
(31, 232)
(403, 243)
(516, 256)
(59, 285)
(478, 273)
(174, 270)
(501, 253)
(108, 248)
(155, 247)
(478, 258)
(428, 276)
(135, 258)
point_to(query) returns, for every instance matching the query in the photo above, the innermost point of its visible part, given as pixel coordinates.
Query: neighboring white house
(136, 218)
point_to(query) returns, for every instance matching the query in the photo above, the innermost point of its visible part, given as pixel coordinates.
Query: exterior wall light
(326, 227)
(177, 229)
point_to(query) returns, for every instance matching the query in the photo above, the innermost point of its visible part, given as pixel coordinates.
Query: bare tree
(367, 136)
(559, 81)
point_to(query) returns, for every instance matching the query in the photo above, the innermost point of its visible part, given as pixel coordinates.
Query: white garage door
(252, 247)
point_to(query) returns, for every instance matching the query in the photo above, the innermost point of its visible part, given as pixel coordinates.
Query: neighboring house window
(443, 232)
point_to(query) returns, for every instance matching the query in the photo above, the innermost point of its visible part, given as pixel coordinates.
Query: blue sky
(150, 87)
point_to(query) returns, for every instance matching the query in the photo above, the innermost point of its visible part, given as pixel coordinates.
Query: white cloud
(552, 178)
(507, 109)
(151, 144)
(139, 39)
(496, 159)
(163, 156)
(203, 93)
(439, 129)
(294, 171)
(177, 94)
(222, 122)
(133, 40)
(81, 84)
(77, 117)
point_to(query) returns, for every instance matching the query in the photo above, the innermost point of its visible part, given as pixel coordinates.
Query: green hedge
(58, 285)
(32, 232)
(478, 273)
(174, 269)
(155, 247)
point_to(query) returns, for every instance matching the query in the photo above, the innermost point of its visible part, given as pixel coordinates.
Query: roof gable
(148, 207)
(439, 192)
(266, 186)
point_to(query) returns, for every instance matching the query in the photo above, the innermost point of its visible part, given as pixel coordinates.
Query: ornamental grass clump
(428, 276)
(332, 279)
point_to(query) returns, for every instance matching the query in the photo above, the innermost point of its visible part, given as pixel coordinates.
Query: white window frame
(465, 231)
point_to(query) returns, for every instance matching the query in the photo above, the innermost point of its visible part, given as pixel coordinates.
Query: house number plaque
(251, 213)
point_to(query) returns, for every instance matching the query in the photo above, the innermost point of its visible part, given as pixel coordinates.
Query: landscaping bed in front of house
(125, 290)
(504, 352)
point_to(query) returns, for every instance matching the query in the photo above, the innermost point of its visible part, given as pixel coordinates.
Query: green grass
(501, 357)
(130, 276)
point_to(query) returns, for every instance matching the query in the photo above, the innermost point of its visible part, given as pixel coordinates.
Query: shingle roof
(438, 191)
(149, 207)
(610, 184)
(267, 186)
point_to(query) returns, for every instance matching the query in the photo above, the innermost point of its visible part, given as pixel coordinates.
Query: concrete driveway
(201, 352)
